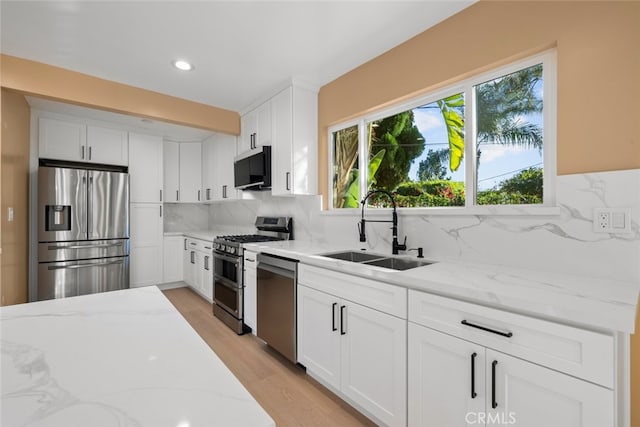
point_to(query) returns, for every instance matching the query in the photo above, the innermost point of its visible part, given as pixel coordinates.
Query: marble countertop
(207, 235)
(574, 299)
(123, 358)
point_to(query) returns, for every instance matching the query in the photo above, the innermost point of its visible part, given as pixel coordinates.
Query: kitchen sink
(377, 260)
(354, 256)
(398, 263)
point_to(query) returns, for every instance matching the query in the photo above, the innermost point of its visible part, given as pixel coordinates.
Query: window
(485, 141)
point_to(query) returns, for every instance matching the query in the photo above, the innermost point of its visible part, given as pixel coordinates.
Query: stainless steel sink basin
(377, 260)
(353, 256)
(397, 263)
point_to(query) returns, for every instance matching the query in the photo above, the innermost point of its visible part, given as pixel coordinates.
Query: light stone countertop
(125, 358)
(593, 302)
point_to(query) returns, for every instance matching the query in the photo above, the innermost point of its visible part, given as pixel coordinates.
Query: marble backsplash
(563, 241)
(185, 217)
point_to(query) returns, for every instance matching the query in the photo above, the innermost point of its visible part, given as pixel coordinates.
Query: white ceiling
(241, 49)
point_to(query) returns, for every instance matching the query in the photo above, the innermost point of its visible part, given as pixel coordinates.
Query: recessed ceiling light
(182, 65)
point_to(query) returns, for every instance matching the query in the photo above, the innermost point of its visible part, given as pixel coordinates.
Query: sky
(497, 162)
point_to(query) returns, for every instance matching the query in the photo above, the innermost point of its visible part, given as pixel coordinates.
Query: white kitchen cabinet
(218, 154)
(198, 266)
(182, 172)
(173, 259)
(444, 371)
(255, 128)
(250, 290)
(206, 276)
(294, 147)
(145, 168)
(107, 146)
(171, 171)
(68, 140)
(190, 172)
(146, 239)
(188, 264)
(355, 350)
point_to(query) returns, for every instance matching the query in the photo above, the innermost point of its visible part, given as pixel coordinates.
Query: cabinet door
(172, 265)
(62, 140)
(248, 129)
(190, 268)
(263, 119)
(191, 172)
(171, 172)
(250, 290)
(145, 168)
(319, 335)
(206, 283)
(146, 244)
(209, 168)
(529, 395)
(446, 379)
(197, 272)
(282, 114)
(107, 146)
(374, 362)
(227, 150)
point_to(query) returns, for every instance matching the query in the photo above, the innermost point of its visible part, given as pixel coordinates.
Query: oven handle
(277, 270)
(234, 260)
(225, 282)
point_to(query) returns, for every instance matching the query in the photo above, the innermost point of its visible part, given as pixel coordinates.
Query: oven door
(227, 284)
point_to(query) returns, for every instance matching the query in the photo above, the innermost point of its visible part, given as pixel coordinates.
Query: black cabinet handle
(160, 195)
(494, 404)
(208, 194)
(89, 152)
(342, 331)
(185, 244)
(82, 152)
(493, 331)
(198, 195)
(177, 195)
(473, 375)
(287, 179)
(192, 257)
(333, 317)
(160, 211)
(224, 191)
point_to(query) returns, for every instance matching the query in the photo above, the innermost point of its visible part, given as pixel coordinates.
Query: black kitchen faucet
(395, 246)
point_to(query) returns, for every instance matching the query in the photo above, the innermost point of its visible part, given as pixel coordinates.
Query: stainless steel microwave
(252, 170)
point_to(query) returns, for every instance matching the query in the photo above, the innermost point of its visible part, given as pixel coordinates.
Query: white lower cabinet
(198, 266)
(454, 381)
(172, 259)
(146, 244)
(250, 291)
(355, 350)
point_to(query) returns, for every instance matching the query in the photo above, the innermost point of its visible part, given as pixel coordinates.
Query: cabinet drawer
(199, 245)
(579, 352)
(370, 293)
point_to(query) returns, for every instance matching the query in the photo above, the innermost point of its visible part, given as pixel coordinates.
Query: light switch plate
(612, 220)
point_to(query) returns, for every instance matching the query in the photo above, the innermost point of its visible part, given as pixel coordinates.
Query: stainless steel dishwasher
(276, 300)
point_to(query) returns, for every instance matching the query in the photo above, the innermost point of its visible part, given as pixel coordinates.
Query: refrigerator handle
(90, 205)
(83, 224)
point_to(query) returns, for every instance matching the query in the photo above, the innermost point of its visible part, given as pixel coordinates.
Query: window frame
(467, 87)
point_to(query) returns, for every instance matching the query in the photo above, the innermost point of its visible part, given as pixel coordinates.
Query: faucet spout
(395, 246)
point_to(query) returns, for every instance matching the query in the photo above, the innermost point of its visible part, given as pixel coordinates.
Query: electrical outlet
(612, 220)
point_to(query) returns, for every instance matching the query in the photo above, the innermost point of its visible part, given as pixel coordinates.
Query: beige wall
(14, 193)
(35, 78)
(598, 81)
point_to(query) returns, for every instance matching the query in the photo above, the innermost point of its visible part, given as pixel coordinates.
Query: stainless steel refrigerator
(83, 231)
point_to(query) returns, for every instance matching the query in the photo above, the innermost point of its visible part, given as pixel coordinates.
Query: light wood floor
(291, 397)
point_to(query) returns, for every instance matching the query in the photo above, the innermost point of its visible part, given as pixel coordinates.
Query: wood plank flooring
(291, 397)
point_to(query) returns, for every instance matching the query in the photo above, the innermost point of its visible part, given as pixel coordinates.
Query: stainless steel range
(228, 280)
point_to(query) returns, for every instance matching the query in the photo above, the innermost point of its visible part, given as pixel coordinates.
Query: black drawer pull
(342, 331)
(493, 331)
(494, 404)
(473, 375)
(333, 317)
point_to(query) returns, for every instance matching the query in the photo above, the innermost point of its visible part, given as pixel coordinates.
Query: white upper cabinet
(145, 168)
(295, 141)
(171, 171)
(183, 172)
(255, 128)
(191, 172)
(218, 153)
(77, 142)
(107, 146)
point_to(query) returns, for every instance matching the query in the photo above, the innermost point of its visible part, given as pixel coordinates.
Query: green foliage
(424, 194)
(432, 166)
(402, 142)
(452, 109)
(353, 192)
(524, 188)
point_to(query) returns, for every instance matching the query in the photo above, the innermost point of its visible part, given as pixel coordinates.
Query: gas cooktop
(248, 238)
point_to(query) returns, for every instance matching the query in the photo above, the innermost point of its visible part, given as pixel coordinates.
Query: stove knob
(216, 246)
(224, 248)
(233, 250)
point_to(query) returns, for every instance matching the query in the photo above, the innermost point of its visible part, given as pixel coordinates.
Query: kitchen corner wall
(185, 217)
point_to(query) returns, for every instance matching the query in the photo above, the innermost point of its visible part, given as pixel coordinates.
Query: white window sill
(507, 210)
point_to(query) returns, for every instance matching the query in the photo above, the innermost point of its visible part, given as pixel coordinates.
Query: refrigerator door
(62, 204)
(108, 205)
(73, 278)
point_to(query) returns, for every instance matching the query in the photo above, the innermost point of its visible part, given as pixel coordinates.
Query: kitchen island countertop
(125, 358)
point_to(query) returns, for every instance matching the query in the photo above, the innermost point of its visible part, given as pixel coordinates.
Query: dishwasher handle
(291, 274)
